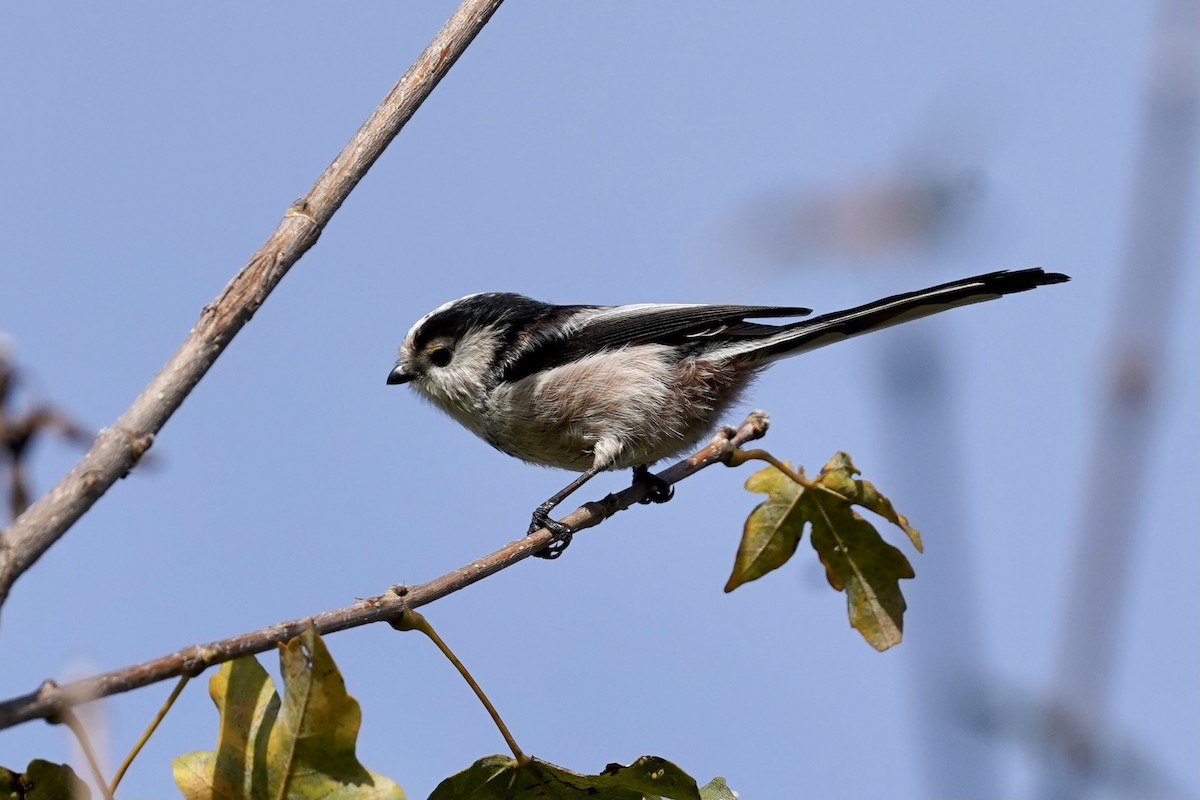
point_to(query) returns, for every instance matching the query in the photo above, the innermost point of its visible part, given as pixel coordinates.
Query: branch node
(408, 620)
(758, 421)
(47, 692)
(200, 658)
(47, 688)
(753, 427)
(91, 483)
(139, 443)
(299, 208)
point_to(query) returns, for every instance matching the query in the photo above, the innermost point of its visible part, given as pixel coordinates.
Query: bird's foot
(562, 533)
(658, 490)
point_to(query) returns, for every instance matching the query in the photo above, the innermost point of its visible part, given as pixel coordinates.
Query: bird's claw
(562, 534)
(657, 490)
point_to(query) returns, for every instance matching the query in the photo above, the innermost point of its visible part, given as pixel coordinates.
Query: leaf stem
(145, 737)
(410, 620)
(739, 457)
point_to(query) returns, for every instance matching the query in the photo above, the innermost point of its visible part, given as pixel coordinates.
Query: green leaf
(503, 778)
(300, 747)
(650, 775)
(490, 777)
(42, 780)
(717, 789)
(773, 529)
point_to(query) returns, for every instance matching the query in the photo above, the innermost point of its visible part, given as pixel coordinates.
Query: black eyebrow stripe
(478, 311)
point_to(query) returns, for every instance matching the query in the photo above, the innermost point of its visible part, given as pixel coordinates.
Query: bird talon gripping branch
(562, 535)
(657, 490)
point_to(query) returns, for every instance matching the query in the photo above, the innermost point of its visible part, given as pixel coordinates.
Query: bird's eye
(441, 356)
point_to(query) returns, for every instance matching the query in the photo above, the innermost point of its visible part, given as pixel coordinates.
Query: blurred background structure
(1157, 254)
(810, 155)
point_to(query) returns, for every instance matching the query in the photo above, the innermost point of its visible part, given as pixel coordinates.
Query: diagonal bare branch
(118, 447)
(51, 699)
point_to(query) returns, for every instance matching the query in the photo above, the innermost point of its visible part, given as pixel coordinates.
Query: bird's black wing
(621, 326)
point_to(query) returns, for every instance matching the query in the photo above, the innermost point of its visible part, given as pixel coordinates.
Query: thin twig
(51, 698)
(118, 447)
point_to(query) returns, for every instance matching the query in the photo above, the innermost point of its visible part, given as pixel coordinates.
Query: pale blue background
(580, 152)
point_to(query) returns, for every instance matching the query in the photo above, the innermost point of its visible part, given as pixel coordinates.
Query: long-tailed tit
(593, 388)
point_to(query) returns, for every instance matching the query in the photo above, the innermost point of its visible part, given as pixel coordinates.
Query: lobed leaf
(42, 780)
(838, 475)
(503, 778)
(858, 561)
(856, 558)
(717, 789)
(299, 747)
(773, 529)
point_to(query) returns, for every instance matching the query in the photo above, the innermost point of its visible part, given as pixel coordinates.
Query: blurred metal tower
(920, 440)
(1154, 258)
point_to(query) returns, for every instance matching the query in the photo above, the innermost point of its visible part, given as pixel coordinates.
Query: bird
(591, 388)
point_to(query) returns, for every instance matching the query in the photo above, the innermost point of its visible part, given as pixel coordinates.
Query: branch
(118, 447)
(51, 699)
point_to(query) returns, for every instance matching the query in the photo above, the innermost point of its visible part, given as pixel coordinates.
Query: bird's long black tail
(800, 337)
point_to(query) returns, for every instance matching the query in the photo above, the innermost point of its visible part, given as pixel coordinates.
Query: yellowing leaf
(838, 475)
(773, 528)
(857, 560)
(268, 749)
(503, 778)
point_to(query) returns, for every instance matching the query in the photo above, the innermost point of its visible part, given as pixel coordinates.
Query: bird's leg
(659, 491)
(562, 532)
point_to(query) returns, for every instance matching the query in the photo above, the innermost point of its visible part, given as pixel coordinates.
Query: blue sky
(597, 153)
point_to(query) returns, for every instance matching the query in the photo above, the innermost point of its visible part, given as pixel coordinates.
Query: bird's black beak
(398, 375)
